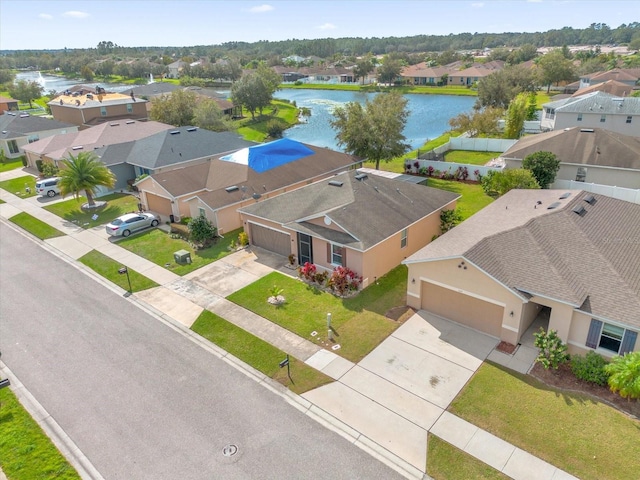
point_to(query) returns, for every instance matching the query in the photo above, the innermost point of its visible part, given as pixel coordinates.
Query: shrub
(321, 277)
(590, 368)
(423, 171)
(416, 165)
(243, 239)
(553, 351)
(624, 375)
(24, 161)
(407, 167)
(307, 271)
(49, 169)
(39, 165)
(344, 280)
(275, 128)
(201, 230)
(185, 220)
(275, 291)
(478, 175)
(430, 171)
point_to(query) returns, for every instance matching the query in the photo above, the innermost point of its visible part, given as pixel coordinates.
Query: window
(33, 138)
(629, 118)
(579, 117)
(201, 212)
(403, 238)
(581, 176)
(129, 108)
(603, 118)
(13, 146)
(103, 111)
(336, 254)
(610, 337)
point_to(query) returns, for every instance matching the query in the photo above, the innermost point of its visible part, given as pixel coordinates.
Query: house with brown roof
(367, 223)
(422, 74)
(569, 256)
(8, 104)
(612, 87)
(217, 187)
(21, 129)
(591, 155)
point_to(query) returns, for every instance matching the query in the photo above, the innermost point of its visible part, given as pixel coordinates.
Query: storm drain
(229, 450)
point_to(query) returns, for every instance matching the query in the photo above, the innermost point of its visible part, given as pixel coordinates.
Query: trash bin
(172, 219)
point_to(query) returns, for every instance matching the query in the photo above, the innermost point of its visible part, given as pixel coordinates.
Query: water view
(60, 84)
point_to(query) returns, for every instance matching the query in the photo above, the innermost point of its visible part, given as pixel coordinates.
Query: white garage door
(271, 240)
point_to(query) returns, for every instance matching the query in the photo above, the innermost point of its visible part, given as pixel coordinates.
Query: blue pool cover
(270, 155)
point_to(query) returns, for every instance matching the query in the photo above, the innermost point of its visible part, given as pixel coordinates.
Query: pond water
(428, 118)
(60, 84)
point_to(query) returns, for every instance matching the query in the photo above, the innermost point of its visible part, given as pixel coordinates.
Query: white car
(48, 187)
(128, 223)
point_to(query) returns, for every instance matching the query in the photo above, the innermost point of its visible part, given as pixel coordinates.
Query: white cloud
(46, 16)
(327, 26)
(261, 8)
(477, 4)
(75, 14)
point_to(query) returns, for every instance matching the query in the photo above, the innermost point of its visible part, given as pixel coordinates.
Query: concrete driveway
(398, 391)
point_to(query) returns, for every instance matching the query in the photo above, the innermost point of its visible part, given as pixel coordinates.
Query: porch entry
(305, 251)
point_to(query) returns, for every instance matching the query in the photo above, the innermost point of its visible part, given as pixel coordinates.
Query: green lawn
(18, 186)
(473, 197)
(158, 247)
(445, 462)
(10, 165)
(259, 354)
(26, 453)
(397, 164)
(359, 322)
(118, 204)
(108, 268)
(36, 227)
(467, 156)
(573, 432)
(256, 130)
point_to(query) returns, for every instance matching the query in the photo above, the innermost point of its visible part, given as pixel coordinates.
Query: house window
(13, 146)
(610, 337)
(581, 176)
(129, 108)
(403, 238)
(103, 111)
(579, 117)
(336, 254)
(603, 118)
(201, 212)
(629, 119)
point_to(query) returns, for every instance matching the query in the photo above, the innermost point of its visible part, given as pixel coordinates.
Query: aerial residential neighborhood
(295, 250)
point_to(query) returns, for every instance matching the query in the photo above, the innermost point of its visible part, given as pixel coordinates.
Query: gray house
(20, 129)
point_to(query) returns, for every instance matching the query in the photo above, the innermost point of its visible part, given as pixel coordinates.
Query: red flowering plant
(344, 280)
(307, 271)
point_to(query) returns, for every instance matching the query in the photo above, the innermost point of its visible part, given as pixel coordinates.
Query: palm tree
(84, 172)
(624, 374)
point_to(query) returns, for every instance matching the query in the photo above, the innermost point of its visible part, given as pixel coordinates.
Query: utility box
(182, 256)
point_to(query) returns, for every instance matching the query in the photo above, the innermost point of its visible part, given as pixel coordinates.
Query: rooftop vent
(174, 132)
(130, 122)
(590, 199)
(579, 209)
(335, 183)
(565, 195)
(256, 196)
(192, 129)
(77, 147)
(360, 176)
(586, 130)
(553, 205)
(232, 188)
(23, 115)
(114, 124)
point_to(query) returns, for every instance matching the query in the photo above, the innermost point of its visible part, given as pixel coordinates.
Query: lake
(428, 119)
(60, 84)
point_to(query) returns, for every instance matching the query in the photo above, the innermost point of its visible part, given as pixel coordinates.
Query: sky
(56, 24)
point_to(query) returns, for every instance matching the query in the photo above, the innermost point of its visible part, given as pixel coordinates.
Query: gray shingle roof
(597, 102)
(369, 210)
(17, 126)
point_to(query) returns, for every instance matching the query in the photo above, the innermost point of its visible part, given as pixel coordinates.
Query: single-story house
(572, 253)
(216, 188)
(21, 129)
(8, 104)
(590, 155)
(368, 223)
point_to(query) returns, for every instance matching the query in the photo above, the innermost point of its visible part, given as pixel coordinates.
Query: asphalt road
(139, 399)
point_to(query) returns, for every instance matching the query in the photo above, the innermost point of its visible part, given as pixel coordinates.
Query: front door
(305, 253)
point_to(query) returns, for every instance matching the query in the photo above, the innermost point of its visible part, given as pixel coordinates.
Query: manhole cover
(230, 450)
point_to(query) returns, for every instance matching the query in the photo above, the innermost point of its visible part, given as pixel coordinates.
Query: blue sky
(30, 24)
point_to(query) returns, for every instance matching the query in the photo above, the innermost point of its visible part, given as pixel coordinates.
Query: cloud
(46, 16)
(261, 9)
(477, 4)
(327, 26)
(75, 14)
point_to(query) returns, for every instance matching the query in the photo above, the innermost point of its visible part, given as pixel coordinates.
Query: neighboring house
(20, 129)
(175, 69)
(57, 147)
(155, 89)
(628, 76)
(594, 110)
(473, 74)
(8, 104)
(612, 87)
(572, 254)
(367, 223)
(422, 74)
(217, 188)
(590, 155)
(227, 107)
(88, 109)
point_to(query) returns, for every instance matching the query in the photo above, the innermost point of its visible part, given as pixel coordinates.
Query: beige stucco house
(574, 254)
(88, 109)
(19, 130)
(367, 223)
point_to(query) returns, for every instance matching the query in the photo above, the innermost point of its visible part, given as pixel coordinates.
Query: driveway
(398, 391)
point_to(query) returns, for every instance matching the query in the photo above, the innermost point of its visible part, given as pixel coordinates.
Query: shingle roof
(612, 87)
(597, 102)
(575, 145)
(368, 210)
(590, 261)
(15, 125)
(154, 89)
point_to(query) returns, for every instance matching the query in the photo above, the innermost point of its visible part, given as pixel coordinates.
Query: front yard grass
(444, 461)
(259, 354)
(158, 247)
(467, 156)
(34, 226)
(359, 323)
(473, 197)
(573, 432)
(10, 165)
(25, 451)
(18, 186)
(117, 204)
(108, 268)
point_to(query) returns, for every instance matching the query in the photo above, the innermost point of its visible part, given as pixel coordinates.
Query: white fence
(478, 144)
(628, 194)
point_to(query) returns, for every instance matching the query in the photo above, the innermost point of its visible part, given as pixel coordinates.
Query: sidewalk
(393, 428)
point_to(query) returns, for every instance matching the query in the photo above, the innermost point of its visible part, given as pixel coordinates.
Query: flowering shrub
(344, 280)
(430, 170)
(416, 164)
(407, 168)
(307, 271)
(462, 173)
(478, 175)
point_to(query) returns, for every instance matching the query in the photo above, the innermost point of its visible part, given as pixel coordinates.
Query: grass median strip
(36, 227)
(570, 431)
(25, 451)
(259, 354)
(108, 268)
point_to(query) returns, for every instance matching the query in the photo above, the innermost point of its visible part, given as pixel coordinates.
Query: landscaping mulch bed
(564, 379)
(400, 314)
(506, 347)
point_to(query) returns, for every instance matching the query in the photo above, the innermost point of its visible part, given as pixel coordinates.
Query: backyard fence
(628, 194)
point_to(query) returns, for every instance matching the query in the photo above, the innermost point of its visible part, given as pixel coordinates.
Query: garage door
(158, 204)
(473, 312)
(271, 240)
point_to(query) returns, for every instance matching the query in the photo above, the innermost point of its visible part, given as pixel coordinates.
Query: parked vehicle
(126, 224)
(48, 187)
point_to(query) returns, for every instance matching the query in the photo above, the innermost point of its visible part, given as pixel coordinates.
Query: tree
(363, 67)
(84, 172)
(499, 88)
(497, 183)
(373, 131)
(553, 351)
(543, 165)
(176, 108)
(449, 219)
(254, 91)
(624, 375)
(87, 73)
(390, 70)
(201, 230)
(207, 114)
(516, 114)
(6, 76)
(554, 68)
(481, 123)
(26, 91)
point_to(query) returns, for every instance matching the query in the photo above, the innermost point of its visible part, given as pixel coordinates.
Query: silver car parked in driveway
(126, 224)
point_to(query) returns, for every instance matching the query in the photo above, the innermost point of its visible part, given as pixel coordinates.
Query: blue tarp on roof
(270, 155)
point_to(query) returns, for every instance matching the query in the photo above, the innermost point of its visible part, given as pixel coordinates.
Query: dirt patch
(564, 379)
(506, 347)
(400, 314)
